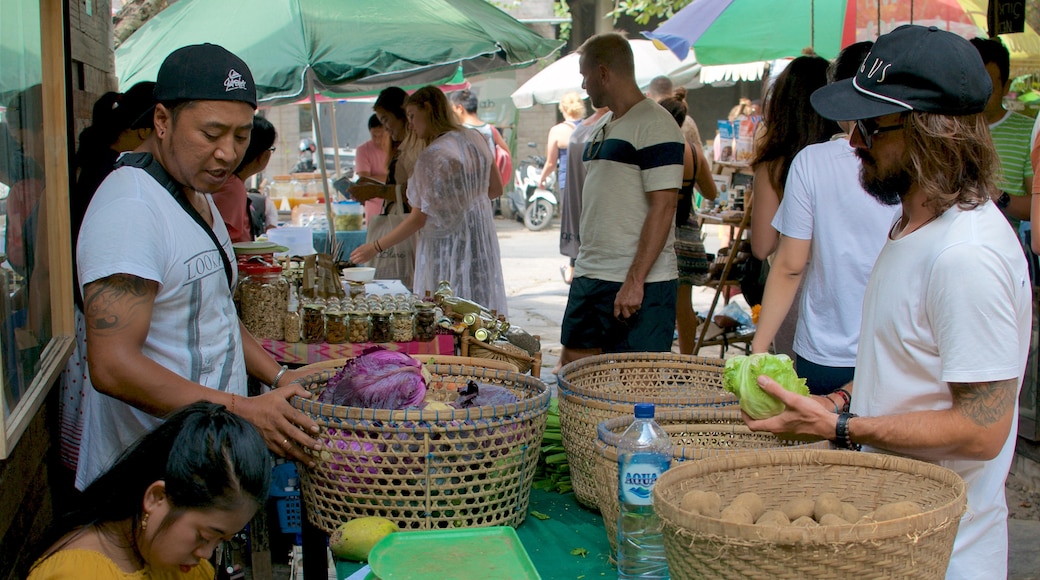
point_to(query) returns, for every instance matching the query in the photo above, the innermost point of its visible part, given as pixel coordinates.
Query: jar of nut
(263, 298)
(425, 322)
(335, 326)
(401, 325)
(359, 326)
(381, 326)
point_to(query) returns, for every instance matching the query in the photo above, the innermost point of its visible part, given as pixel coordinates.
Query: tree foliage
(642, 11)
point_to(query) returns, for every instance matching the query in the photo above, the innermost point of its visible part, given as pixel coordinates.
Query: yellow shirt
(90, 565)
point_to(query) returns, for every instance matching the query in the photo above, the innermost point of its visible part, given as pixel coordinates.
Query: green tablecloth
(550, 542)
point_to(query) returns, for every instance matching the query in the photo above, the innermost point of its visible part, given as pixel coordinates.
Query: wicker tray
(917, 546)
(427, 469)
(501, 351)
(695, 433)
(597, 388)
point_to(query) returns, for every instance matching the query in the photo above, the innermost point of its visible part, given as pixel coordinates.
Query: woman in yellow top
(161, 509)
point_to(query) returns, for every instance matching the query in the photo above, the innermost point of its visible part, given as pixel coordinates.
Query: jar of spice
(335, 326)
(401, 325)
(359, 326)
(425, 322)
(263, 298)
(381, 326)
(356, 289)
(313, 322)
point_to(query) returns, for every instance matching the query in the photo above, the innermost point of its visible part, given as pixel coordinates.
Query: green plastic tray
(466, 554)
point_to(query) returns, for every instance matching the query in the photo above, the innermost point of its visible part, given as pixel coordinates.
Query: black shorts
(589, 320)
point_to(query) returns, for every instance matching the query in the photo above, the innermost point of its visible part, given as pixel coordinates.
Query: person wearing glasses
(946, 316)
(826, 214)
(622, 296)
(232, 199)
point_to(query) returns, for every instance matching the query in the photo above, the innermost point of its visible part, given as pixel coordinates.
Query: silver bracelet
(274, 383)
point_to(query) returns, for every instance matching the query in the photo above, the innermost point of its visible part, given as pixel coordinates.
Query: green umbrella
(342, 46)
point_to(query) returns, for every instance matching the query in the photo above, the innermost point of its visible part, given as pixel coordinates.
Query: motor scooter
(528, 202)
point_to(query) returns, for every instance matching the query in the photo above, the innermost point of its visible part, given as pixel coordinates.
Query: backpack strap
(147, 163)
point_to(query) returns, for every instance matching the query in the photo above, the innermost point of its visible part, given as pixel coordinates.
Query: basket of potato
(809, 513)
(696, 433)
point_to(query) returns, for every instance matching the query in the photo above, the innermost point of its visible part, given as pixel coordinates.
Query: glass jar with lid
(425, 322)
(356, 289)
(359, 326)
(263, 296)
(401, 325)
(313, 321)
(336, 326)
(381, 326)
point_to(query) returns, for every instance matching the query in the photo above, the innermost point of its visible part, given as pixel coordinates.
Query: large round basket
(597, 388)
(916, 546)
(696, 433)
(427, 469)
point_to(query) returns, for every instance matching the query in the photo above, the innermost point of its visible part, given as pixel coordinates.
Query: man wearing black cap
(946, 316)
(156, 269)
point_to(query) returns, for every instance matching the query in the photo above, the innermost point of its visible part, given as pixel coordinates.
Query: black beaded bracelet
(841, 433)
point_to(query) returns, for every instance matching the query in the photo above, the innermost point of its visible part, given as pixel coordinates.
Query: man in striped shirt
(1011, 135)
(622, 297)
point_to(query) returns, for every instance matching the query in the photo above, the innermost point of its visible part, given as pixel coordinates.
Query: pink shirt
(370, 160)
(231, 203)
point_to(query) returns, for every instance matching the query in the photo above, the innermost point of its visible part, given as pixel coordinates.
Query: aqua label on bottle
(638, 475)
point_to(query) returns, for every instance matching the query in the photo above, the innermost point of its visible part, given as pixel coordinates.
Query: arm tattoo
(985, 403)
(109, 303)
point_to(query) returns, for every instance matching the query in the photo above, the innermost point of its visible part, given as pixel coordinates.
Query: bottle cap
(644, 410)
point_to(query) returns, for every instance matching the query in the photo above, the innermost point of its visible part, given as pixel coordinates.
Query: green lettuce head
(741, 379)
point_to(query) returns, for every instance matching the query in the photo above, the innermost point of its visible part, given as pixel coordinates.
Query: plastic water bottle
(644, 453)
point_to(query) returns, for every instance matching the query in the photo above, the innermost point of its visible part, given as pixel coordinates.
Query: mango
(354, 540)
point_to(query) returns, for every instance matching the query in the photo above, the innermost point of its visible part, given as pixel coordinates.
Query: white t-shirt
(636, 154)
(825, 202)
(134, 226)
(950, 303)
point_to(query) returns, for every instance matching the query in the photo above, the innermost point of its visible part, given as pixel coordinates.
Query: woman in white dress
(453, 179)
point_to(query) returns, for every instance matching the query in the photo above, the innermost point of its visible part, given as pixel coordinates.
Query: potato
(899, 509)
(705, 503)
(773, 518)
(826, 503)
(797, 508)
(750, 501)
(805, 522)
(833, 520)
(737, 514)
(849, 513)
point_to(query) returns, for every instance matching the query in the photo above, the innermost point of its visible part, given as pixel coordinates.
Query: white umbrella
(562, 76)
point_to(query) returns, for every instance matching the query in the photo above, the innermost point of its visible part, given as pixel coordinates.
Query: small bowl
(359, 274)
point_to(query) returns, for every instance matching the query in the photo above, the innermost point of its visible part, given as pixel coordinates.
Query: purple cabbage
(478, 395)
(377, 379)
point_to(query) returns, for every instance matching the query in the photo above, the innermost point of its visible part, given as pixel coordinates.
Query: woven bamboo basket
(427, 469)
(917, 546)
(500, 351)
(597, 388)
(695, 434)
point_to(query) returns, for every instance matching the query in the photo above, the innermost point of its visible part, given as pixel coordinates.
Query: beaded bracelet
(841, 433)
(232, 403)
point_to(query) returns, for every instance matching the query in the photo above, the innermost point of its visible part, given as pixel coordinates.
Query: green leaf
(579, 552)
(539, 515)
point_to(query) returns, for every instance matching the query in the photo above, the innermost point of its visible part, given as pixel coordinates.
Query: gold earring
(144, 522)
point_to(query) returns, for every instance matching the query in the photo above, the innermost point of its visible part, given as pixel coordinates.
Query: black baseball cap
(204, 72)
(912, 68)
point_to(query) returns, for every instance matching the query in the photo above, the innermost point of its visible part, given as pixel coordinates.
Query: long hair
(676, 105)
(790, 121)
(952, 158)
(114, 113)
(441, 117)
(208, 458)
(572, 105)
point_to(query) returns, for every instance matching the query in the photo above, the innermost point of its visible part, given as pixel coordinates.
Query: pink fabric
(231, 202)
(370, 160)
